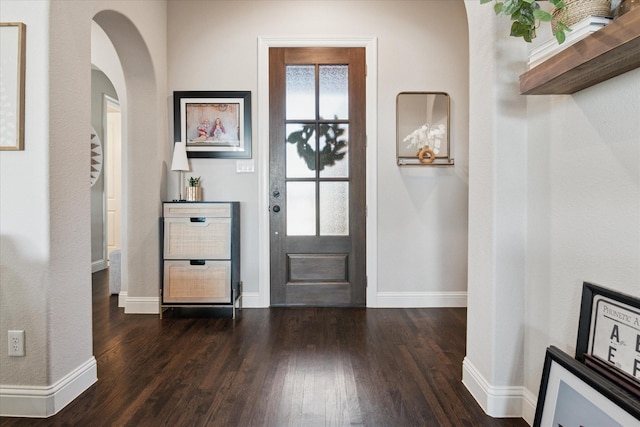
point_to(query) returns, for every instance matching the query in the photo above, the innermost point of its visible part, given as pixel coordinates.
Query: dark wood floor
(297, 367)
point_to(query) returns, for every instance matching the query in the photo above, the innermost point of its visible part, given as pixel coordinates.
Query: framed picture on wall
(571, 394)
(423, 126)
(609, 335)
(12, 75)
(213, 124)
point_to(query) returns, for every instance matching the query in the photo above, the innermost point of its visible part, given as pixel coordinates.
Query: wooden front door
(317, 176)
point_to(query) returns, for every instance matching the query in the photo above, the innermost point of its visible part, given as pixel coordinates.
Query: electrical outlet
(16, 343)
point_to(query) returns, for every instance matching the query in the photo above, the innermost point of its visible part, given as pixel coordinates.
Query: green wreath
(330, 153)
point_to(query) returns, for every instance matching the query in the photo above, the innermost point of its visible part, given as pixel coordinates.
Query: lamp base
(180, 181)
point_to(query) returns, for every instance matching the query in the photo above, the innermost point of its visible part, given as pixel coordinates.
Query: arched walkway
(141, 193)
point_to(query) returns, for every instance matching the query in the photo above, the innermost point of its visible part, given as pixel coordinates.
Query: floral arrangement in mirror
(427, 140)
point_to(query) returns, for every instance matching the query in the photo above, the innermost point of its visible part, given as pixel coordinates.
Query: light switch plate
(245, 166)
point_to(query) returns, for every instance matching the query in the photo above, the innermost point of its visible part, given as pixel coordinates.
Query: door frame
(263, 299)
(116, 163)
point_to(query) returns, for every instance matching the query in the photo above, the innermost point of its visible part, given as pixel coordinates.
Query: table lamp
(180, 163)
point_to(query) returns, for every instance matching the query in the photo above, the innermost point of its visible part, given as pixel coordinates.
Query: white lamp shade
(179, 162)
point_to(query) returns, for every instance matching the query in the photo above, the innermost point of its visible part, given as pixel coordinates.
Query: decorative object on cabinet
(180, 163)
(527, 16)
(12, 75)
(609, 335)
(609, 52)
(571, 394)
(422, 129)
(194, 191)
(213, 124)
(201, 255)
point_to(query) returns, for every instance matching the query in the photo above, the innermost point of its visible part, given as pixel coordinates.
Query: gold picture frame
(423, 128)
(12, 74)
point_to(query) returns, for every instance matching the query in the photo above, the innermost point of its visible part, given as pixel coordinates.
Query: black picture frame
(609, 335)
(213, 124)
(573, 394)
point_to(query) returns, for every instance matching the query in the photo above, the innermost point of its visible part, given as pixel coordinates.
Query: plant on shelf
(527, 16)
(194, 182)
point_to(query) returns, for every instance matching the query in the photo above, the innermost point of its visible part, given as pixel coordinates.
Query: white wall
(422, 212)
(583, 207)
(44, 200)
(554, 200)
(24, 212)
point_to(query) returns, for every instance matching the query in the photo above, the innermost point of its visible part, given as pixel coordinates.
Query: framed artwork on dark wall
(572, 394)
(213, 124)
(609, 335)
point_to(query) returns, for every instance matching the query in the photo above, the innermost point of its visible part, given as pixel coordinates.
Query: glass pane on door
(301, 92)
(300, 154)
(334, 92)
(334, 150)
(334, 208)
(301, 208)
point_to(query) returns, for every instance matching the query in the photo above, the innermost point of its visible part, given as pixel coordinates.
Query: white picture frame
(571, 394)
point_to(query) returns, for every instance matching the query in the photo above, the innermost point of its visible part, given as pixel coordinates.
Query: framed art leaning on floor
(609, 335)
(571, 394)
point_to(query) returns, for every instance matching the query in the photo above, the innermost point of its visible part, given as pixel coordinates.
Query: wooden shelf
(611, 51)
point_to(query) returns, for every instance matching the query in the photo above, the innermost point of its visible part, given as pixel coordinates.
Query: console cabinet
(201, 255)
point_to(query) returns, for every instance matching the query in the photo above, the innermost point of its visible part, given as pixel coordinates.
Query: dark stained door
(317, 166)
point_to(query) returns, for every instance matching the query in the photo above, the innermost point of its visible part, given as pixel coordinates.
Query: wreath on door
(332, 151)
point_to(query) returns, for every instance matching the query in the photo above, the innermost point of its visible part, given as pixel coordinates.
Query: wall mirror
(422, 129)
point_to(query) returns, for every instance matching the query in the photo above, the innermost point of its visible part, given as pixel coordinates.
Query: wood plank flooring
(300, 367)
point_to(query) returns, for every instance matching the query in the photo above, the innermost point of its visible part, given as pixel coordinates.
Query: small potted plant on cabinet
(194, 191)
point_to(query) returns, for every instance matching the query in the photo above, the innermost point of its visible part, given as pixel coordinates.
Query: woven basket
(577, 10)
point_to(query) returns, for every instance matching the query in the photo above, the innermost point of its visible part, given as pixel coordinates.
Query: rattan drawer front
(197, 238)
(187, 210)
(207, 283)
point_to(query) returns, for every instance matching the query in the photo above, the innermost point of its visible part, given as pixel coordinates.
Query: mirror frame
(413, 111)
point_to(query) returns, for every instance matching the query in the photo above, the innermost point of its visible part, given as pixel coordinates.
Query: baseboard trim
(98, 265)
(122, 299)
(420, 299)
(252, 300)
(529, 403)
(142, 305)
(150, 305)
(496, 401)
(45, 401)
(389, 300)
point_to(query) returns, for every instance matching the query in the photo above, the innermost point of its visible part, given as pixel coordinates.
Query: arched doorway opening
(130, 68)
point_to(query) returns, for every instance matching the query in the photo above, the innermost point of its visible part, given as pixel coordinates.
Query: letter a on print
(615, 333)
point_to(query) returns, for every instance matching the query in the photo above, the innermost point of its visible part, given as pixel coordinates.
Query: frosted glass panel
(301, 208)
(334, 92)
(334, 208)
(301, 151)
(334, 150)
(301, 92)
